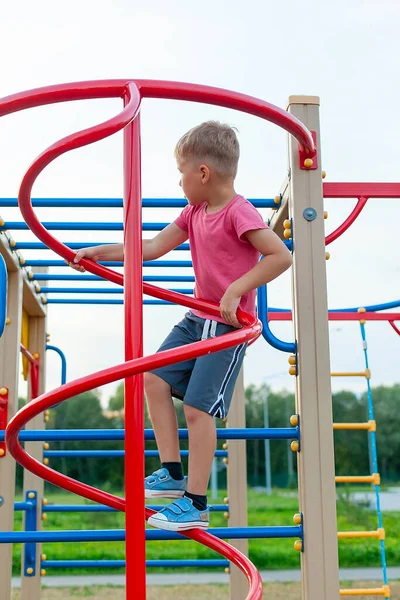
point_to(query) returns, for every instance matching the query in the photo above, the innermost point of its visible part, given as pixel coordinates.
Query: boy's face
(193, 180)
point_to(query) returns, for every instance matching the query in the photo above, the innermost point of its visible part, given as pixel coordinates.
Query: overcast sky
(346, 53)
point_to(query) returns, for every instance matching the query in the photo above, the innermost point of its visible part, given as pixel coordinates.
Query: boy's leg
(163, 417)
(202, 446)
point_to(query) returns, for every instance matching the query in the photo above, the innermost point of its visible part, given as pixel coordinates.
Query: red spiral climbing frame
(128, 119)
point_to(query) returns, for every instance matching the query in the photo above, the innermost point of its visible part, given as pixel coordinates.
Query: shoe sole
(166, 525)
(163, 494)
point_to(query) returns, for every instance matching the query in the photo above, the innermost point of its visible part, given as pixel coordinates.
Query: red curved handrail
(347, 222)
(171, 90)
(393, 324)
(252, 328)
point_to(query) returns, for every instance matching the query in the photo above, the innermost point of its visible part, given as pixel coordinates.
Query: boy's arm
(168, 239)
(276, 259)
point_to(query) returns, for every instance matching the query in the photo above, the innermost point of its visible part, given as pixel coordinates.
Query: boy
(227, 238)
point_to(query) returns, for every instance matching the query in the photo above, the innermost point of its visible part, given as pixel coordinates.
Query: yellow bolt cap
(31, 495)
(3, 391)
(327, 255)
(277, 199)
(44, 517)
(8, 320)
(297, 519)
(308, 162)
(287, 234)
(45, 461)
(323, 174)
(36, 355)
(226, 515)
(294, 420)
(286, 224)
(361, 309)
(46, 445)
(225, 446)
(227, 570)
(13, 243)
(29, 571)
(225, 461)
(295, 446)
(298, 545)
(22, 261)
(44, 557)
(292, 370)
(226, 500)
(45, 501)
(2, 452)
(46, 419)
(30, 275)
(325, 214)
(292, 360)
(43, 572)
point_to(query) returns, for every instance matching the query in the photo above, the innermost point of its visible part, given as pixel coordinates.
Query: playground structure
(298, 216)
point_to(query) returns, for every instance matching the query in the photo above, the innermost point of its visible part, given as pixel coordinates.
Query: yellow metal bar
(370, 426)
(366, 373)
(379, 533)
(375, 478)
(383, 591)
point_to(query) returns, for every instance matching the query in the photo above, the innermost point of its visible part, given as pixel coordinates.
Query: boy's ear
(204, 173)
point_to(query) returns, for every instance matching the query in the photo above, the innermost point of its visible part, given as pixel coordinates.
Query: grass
(277, 591)
(277, 509)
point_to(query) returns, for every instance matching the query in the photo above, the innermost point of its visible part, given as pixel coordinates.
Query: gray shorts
(207, 382)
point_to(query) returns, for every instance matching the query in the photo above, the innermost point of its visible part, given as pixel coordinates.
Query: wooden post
(9, 365)
(237, 488)
(30, 585)
(317, 493)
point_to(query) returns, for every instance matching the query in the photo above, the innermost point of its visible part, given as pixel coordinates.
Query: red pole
(134, 394)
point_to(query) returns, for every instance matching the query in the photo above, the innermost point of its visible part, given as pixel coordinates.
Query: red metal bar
(347, 222)
(3, 417)
(341, 316)
(134, 393)
(392, 323)
(358, 190)
(114, 88)
(28, 355)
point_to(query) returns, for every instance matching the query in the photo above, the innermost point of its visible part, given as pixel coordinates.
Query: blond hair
(213, 142)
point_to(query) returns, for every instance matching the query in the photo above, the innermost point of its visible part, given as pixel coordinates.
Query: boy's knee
(153, 382)
(193, 414)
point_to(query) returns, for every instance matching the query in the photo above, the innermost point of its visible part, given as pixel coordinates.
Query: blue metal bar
(111, 453)
(267, 333)
(24, 505)
(255, 433)
(73, 245)
(148, 278)
(98, 290)
(3, 294)
(105, 564)
(117, 202)
(374, 452)
(102, 508)
(151, 263)
(63, 362)
(101, 301)
(79, 226)
(118, 535)
(30, 529)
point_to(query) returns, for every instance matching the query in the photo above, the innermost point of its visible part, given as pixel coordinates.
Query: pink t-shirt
(220, 252)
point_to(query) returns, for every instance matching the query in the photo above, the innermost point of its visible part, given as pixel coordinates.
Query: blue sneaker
(181, 515)
(161, 485)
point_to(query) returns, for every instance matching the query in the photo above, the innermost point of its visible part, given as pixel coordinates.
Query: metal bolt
(310, 214)
(1, 500)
